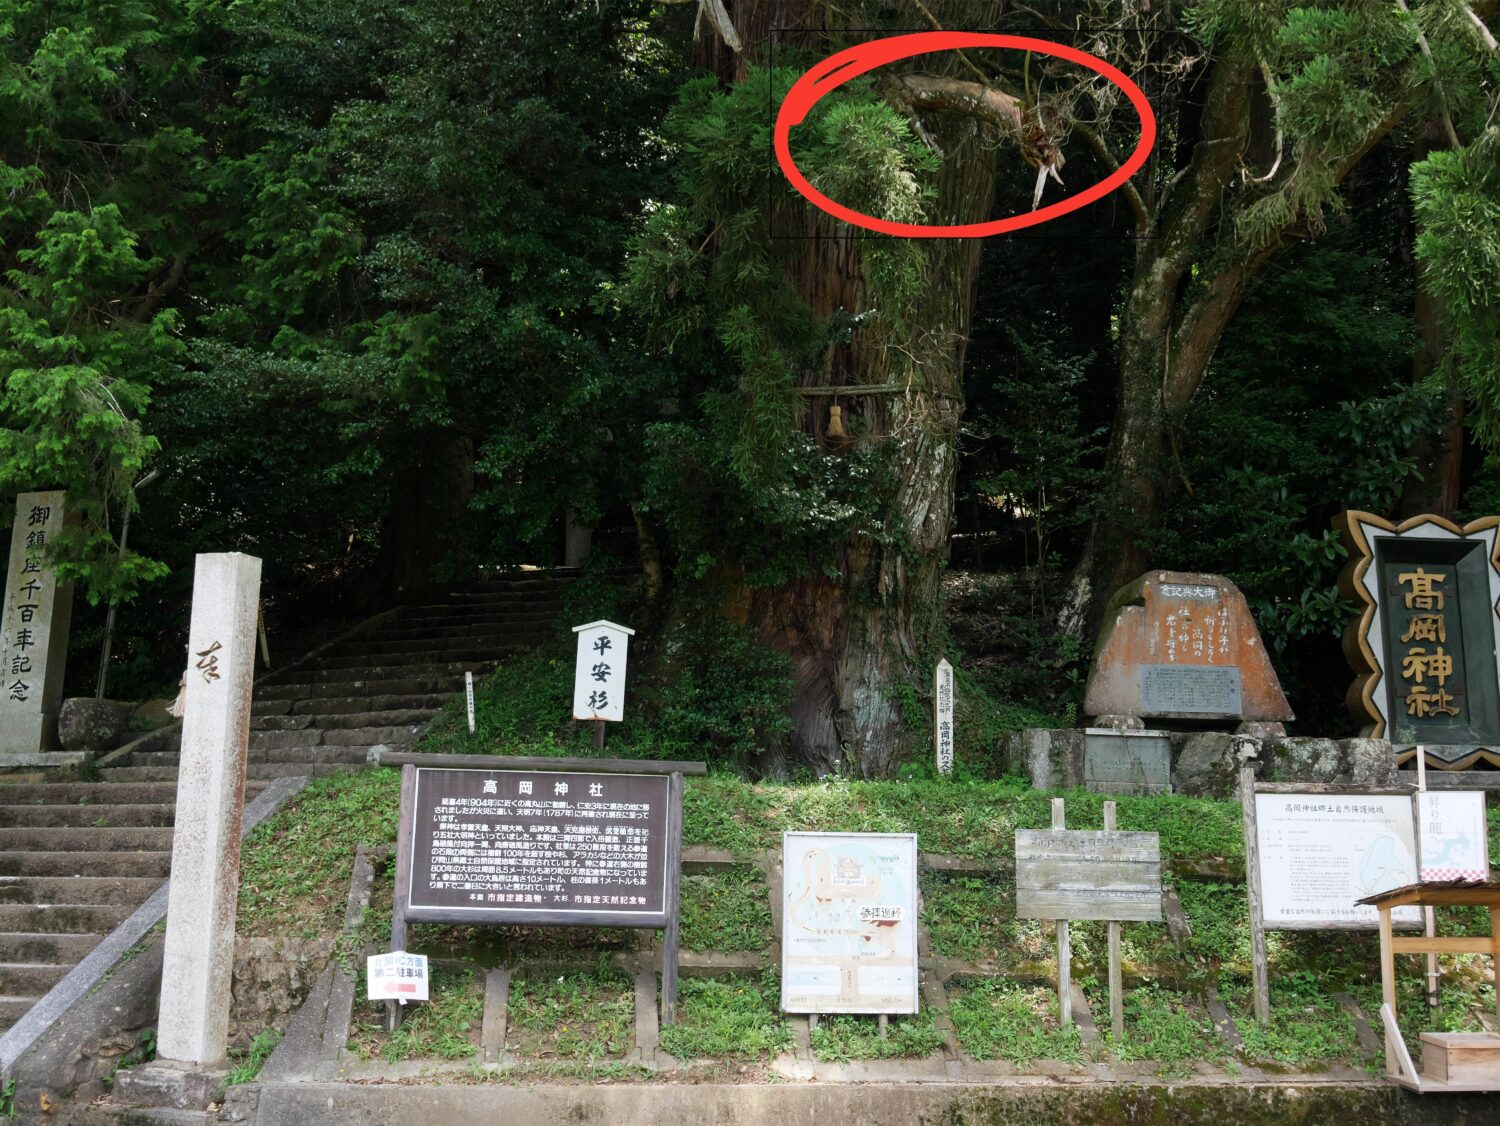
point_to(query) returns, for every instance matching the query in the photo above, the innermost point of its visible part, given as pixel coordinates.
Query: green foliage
(1457, 200)
(840, 1039)
(1170, 1028)
(578, 1015)
(445, 1027)
(1307, 1026)
(247, 1061)
(735, 1018)
(1000, 1019)
(728, 911)
(727, 693)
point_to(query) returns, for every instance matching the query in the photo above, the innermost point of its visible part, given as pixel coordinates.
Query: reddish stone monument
(1183, 646)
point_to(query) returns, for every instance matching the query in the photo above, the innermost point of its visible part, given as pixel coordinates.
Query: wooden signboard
(541, 842)
(1066, 874)
(1081, 874)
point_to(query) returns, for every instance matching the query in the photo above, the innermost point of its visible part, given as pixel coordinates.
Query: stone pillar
(193, 1023)
(578, 540)
(34, 634)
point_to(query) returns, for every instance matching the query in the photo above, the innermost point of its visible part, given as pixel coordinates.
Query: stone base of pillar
(169, 1083)
(28, 732)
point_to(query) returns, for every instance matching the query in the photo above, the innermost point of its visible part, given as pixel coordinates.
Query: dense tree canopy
(389, 292)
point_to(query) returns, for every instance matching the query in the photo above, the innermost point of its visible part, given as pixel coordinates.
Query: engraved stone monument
(1423, 647)
(34, 633)
(1182, 646)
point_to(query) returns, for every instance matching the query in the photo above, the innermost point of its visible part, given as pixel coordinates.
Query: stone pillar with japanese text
(193, 1023)
(34, 635)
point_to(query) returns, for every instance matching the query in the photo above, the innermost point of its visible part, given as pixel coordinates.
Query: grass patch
(581, 1015)
(247, 1061)
(1169, 1028)
(295, 868)
(972, 917)
(841, 1038)
(726, 911)
(1005, 1020)
(1308, 1028)
(735, 1018)
(446, 1027)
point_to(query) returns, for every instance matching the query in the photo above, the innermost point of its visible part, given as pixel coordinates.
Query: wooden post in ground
(1262, 986)
(1116, 984)
(1429, 916)
(1064, 945)
(1388, 992)
(598, 735)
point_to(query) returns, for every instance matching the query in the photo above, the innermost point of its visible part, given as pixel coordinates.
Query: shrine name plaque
(518, 846)
(1171, 690)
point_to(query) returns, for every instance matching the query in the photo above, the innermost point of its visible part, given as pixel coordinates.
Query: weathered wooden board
(1086, 874)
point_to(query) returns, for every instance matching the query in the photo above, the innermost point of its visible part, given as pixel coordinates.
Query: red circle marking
(828, 75)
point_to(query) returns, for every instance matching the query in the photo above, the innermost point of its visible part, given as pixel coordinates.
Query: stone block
(1297, 759)
(92, 726)
(169, 1083)
(1207, 764)
(1369, 762)
(1051, 757)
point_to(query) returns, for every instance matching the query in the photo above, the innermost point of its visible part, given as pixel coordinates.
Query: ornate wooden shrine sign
(1423, 648)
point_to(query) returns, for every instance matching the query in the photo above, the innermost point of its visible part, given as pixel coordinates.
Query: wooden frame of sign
(1249, 790)
(636, 858)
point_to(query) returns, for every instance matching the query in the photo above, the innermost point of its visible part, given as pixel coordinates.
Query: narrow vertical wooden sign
(942, 716)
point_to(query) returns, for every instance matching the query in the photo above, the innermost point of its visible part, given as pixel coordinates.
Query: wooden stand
(1450, 1061)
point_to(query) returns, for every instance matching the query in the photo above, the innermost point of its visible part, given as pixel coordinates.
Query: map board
(849, 923)
(1320, 852)
(1086, 874)
(1454, 836)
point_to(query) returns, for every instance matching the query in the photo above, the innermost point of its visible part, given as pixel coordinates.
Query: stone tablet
(515, 846)
(33, 627)
(1082, 874)
(1183, 646)
(1127, 762)
(1423, 648)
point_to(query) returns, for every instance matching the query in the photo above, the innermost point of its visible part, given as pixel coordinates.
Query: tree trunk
(856, 640)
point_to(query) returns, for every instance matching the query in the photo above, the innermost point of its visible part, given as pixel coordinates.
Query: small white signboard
(599, 674)
(849, 923)
(942, 715)
(1319, 853)
(398, 976)
(469, 695)
(1454, 836)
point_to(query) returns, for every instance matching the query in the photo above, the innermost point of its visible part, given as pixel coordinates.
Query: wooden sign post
(599, 675)
(1076, 874)
(541, 842)
(942, 716)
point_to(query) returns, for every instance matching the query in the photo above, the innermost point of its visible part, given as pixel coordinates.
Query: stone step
(29, 978)
(470, 654)
(356, 704)
(280, 740)
(255, 771)
(61, 793)
(437, 631)
(48, 949)
(377, 682)
(280, 722)
(130, 891)
(370, 736)
(399, 650)
(101, 815)
(32, 839)
(345, 754)
(450, 620)
(61, 918)
(440, 670)
(13, 1009)
(87, 865)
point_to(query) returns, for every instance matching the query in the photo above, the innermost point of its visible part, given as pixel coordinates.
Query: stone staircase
(76, 858)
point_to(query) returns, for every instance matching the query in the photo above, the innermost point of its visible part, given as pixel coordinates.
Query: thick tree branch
(983, 102)
(1127, 189)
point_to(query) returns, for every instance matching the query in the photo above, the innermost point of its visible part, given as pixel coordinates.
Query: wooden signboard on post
(1313, 850)
(541, 842)
(1068, 874)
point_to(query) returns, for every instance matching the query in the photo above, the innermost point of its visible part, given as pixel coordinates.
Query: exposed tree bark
(856, 640)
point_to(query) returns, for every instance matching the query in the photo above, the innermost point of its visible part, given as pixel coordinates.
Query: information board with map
(1320, 852)
(849, 923)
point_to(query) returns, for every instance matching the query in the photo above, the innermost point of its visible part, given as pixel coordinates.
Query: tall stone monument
(34, 629)
(1423, 647)
(198, 957)
(1182, 646)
